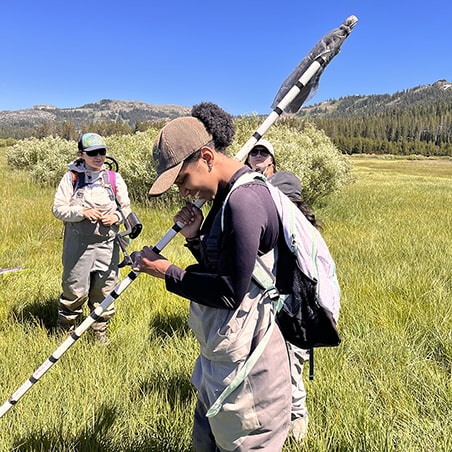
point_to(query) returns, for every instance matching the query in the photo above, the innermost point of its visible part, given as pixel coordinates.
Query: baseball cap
(265, 144)
(91, 142)
(179, 139)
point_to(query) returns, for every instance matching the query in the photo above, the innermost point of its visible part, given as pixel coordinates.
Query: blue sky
(233, 53)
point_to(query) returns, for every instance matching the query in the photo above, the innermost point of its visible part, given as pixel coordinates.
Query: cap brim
(165, 180)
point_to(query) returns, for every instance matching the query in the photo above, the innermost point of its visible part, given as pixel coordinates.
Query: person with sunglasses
(86, 201)
(261, 158)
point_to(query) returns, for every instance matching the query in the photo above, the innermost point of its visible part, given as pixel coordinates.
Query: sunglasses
(95, 152)
(262, 152)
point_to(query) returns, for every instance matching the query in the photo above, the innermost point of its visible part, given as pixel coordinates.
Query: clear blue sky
(234, 53)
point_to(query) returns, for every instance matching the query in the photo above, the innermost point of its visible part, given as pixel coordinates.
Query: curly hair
(217, 122)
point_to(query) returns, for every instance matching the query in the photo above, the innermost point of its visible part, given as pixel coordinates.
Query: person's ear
(207, 155)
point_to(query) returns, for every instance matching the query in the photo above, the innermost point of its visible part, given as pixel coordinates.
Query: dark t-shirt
(251, 227)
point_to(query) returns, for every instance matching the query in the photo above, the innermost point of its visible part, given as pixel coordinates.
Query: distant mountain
(104, 110)
(133, 111)
(415, 120)
(360, 105)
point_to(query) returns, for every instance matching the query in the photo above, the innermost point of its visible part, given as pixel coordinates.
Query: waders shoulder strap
(262, 278)
(79, 180)
(265, 279)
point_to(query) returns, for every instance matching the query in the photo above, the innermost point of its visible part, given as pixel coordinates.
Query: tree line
(414, 121)
(69, 131)
(423, 129)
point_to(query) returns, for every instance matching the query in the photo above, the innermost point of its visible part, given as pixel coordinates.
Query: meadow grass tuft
(387, 387)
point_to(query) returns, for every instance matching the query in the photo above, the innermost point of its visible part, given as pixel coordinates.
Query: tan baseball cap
(178, 140)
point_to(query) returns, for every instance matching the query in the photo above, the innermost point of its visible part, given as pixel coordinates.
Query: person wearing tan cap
(229, 312)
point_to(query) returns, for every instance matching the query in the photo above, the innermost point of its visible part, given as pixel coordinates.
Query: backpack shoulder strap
(112, 177)
(109, 178)
(212, 240)
(242, 180)
(78, 180)
(265, 279)
(74, 176)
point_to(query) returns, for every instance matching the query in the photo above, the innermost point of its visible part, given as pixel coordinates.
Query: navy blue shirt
(251, 227)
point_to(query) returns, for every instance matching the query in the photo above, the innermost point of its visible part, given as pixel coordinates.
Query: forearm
(203, 288)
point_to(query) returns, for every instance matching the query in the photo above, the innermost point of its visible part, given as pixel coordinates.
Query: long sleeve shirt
(251, 228)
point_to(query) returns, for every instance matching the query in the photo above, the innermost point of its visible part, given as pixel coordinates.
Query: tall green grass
(387, 387)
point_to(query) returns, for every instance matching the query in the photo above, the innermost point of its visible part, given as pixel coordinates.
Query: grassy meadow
(387, 387)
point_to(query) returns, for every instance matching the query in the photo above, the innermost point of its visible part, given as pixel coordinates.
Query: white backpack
(307, 315)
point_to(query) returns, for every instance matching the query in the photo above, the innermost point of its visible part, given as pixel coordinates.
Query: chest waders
(132, 224)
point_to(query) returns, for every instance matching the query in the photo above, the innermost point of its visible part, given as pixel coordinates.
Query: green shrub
(46, 159)
(307, 152)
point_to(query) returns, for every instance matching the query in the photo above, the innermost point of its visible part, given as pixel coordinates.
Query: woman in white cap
(261, 158)
(229, 313)
(85, 202)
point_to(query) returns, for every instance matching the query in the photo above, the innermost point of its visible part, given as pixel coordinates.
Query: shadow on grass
(174, 388)
(164, 325)
(43, 312)
(95, 437)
